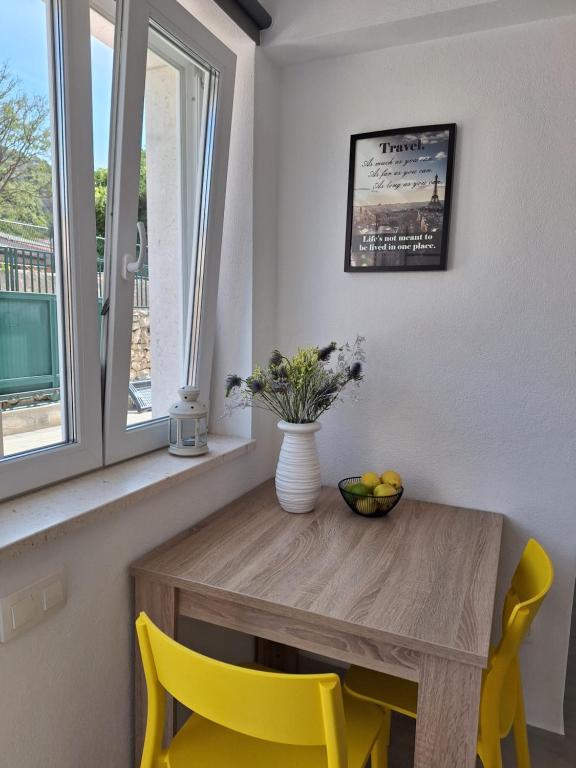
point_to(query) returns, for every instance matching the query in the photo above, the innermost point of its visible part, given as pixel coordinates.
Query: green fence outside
(34, 271)
(29, 360)
(28, 342)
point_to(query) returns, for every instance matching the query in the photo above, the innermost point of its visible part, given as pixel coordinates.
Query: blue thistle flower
(232, 381)
(355, 372)
(275, 358)
(256, 386)
(325, 352)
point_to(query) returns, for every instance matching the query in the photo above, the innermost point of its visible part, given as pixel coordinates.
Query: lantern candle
(188, 424)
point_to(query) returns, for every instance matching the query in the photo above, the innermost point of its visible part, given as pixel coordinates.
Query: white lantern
(188, 424)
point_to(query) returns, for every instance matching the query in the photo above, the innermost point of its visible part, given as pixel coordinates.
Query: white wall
(265, 275)
(164, 223)
(65, 686)
(469, 388)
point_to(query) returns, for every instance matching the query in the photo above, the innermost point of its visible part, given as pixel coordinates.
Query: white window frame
(133, 22)
(93, 421)
(75, 237)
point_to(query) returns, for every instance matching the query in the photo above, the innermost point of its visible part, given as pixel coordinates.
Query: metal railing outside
(27, 262)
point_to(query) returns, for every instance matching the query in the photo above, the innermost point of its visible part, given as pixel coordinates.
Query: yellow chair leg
(379, 754)
(520, 732)
(491, 752)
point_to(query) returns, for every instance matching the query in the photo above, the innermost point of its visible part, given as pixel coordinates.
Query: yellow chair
(249, 718)
(502, 702)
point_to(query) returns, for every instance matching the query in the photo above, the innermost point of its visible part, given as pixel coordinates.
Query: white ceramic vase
(298, 470)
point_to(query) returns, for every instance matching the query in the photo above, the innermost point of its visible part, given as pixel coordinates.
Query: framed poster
(399, 189)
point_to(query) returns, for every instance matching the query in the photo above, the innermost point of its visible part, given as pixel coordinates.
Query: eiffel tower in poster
(435, 203)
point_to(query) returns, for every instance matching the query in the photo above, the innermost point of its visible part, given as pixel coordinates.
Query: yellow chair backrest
(530, 584)
(305, 710)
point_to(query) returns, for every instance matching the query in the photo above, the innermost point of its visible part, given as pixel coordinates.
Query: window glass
(172, 163)
(102, 58)
(33, 390)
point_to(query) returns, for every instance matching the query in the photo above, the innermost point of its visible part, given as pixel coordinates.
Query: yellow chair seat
(201, 743)
(250, 717)
(392, 692)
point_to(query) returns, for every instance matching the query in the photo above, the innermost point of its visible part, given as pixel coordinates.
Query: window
(114, 133)
(33, 391)
(48, 314)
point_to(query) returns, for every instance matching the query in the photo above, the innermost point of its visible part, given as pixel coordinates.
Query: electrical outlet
(27, 607)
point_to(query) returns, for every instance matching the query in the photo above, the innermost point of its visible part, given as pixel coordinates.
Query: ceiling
(309, 29)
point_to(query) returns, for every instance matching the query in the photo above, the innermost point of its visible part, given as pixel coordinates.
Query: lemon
(364, 506)
(370, 480)
(385, 489)
(358, 489)
(392, 478)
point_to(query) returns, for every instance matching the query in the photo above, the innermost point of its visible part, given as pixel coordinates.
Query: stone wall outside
(140, 359)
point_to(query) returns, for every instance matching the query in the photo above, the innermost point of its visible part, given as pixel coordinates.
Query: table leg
(159, 602)
(277, 656)
(448, 707)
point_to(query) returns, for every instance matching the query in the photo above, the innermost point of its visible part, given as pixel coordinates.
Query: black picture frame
(393, 245)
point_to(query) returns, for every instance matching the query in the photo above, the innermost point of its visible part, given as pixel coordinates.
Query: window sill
(30, 520)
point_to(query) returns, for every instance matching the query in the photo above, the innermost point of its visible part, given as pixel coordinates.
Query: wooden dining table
(410, 594)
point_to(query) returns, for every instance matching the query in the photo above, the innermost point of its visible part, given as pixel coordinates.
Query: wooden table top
(422, 578)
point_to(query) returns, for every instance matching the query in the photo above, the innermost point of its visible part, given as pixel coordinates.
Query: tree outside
(25, 162)
(25, 171)
(101, 195)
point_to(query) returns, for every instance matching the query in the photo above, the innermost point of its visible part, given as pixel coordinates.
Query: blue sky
(23, 46)
(414, 170)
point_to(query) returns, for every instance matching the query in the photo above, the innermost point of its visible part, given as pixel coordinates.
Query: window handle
(131, 266)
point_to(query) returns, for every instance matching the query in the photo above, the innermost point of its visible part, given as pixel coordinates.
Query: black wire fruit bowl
(367, 506)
